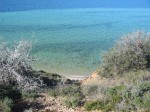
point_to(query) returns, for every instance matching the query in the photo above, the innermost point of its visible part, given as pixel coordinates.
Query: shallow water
(70, 41)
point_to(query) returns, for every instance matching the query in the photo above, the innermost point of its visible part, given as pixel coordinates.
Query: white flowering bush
(14, 66)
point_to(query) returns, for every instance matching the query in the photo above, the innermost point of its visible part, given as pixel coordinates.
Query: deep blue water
(70, 41)
(22, 5)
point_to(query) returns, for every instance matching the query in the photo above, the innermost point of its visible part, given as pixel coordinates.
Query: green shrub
(53, 92)
(6, 105)
(92, 90)
(130, 97)
(94, 105)
(146, 100)
(138, 76)
(73, 101)
(104, 106)
(130, 53)
(73, 95)
(115, 94)
(144, 87)
(143, 97)
(10, 92)
(71, 90)
(30, 95)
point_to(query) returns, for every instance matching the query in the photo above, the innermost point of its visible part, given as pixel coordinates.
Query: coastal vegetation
(122, 83)
(130, 53)
(127, 63)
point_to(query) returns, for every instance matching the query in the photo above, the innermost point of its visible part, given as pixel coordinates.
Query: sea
(71, 42)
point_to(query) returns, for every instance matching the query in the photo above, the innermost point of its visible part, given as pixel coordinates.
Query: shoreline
(80, 78)
(68, 75)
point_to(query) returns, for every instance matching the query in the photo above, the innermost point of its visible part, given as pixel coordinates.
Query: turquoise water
(70, 41)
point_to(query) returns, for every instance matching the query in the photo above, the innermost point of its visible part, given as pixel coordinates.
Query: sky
(12, 5)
